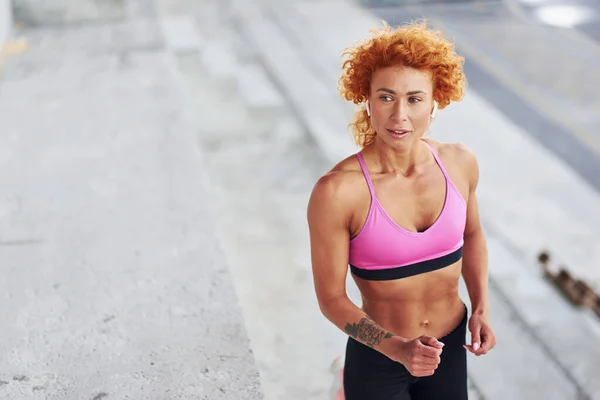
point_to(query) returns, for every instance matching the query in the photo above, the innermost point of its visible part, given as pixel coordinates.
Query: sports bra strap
(361, 161)
(437, 160)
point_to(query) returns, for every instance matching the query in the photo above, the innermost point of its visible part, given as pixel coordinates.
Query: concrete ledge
(180, 34)
(52, 13)
(529, 317)
(256, 89)
(314, 101)
(219, 61)
(262, 99)
(5, 21)
(116, 284)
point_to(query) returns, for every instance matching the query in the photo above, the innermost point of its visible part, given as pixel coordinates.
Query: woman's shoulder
(453, 152)
(342, 174)
(457, 157)
(340, 181)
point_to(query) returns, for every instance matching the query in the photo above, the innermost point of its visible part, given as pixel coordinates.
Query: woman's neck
(399, 161)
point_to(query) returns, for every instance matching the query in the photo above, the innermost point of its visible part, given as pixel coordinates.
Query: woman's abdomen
(425, 304)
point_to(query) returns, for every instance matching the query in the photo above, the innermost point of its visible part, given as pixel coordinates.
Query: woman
(402, 213)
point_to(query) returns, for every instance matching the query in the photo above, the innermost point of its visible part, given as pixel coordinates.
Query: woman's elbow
(330, 304)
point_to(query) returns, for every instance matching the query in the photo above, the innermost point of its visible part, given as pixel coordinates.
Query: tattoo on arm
(368, 332)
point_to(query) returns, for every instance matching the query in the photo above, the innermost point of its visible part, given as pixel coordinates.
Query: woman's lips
(398, 134)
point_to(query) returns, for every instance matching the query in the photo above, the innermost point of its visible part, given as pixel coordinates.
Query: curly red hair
(411, 45)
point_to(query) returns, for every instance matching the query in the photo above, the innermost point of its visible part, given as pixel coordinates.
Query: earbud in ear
(368, 109)
(435, 107)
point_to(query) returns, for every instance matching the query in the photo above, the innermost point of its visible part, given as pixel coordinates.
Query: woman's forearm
(344, 314)
(475, 270)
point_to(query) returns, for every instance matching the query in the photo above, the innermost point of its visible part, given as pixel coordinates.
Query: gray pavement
(114, 283)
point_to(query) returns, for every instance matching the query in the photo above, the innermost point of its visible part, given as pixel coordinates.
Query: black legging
(369, 375)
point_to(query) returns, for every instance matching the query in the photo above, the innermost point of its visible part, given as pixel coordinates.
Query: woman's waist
(414, 318)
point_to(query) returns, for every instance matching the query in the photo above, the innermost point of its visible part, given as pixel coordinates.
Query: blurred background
(156, 158)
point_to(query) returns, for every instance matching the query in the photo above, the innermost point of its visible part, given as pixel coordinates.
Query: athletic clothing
(370, 375)
(383, 250)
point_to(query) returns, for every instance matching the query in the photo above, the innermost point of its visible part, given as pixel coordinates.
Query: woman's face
(401, 102)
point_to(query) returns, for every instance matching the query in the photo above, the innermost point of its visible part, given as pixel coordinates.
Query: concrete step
(107, 160)
(207, 71)
(320, 109)
(518, 367)
(5, 21)
(565, 332)
(308, 25)
(220, 64)
(527, 210)
(217, 109)
(224, 76)
(528, 318)
(181, 34)
(229, 76)
(263, 100)
(37, 13)
(291, 47)
(523, 211)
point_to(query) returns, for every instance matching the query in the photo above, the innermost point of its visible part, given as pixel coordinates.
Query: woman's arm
(329, 214)
(475, 267)
(328, 221)
(475, 255)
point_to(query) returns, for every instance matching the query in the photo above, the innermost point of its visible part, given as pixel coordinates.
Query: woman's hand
(482, 336)
(420, 356)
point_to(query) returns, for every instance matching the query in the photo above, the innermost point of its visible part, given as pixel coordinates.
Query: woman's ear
(435, 107)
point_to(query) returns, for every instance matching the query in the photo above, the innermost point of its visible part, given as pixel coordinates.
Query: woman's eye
(414, 100)
(385, 98)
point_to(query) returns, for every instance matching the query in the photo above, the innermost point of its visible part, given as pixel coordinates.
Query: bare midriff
(426, 304)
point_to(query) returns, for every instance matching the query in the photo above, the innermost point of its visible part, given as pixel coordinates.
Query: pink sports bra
(383, 250)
